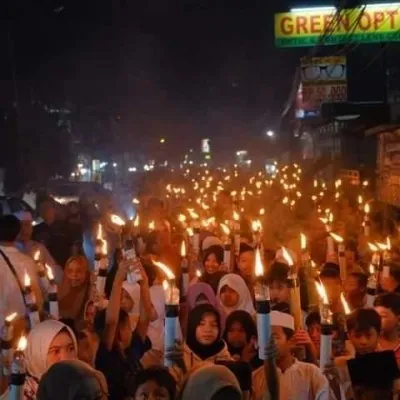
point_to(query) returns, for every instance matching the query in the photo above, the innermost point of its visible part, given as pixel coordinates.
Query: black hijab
(195, 317)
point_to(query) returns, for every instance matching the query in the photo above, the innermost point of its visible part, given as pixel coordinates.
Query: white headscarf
(133, 289)
(39, 341)
(236, 283)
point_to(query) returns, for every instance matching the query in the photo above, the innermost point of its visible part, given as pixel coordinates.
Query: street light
(270, 133)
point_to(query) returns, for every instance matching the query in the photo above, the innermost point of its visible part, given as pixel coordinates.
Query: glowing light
(360, 199)
(152, 226)
(22, 343)
(336, 238)
(262, 211)
(198, 273)
(183, 249)
(170, 275)
(381, 246)
(135, 201)
(346, 307)
(303, 241)
(136, 221)
(367, 208)
(287, 257)
(27, 280)
(104, 248)
(322, 292)
(182, 218)
(236, 216)
(193, 214)
(117, 220)
(36, 256)
(372, 247)
(259, 268)
(388, 244)
(256, 226)
(50, 274)
(371, 269)
(190, 232)
(10, 318)
(225, 229)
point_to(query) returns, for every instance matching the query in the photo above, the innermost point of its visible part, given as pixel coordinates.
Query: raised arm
(112, 312)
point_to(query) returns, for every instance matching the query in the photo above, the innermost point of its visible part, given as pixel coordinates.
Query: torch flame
(165, 269)
(262, 211)
(336, 237)
(136, 221)
(100, 232)
(165, 285)
(193, 214)
(256, 226)
(372, 247)
(388, 244)
(22, 343)
(36, 256)
(346, 307)
(198, 273)
(303, 241)
(322, 292)
(104, 247)
(117, 220)
(152, 226)
(190, 232)
(135, 201)
(236, 216)
(182, 218)
(381, 246)
(183, 249)
(288, 258)
(10, 318)
(27, 280)
(259, 268)
(50, 274)
(360, 200)
(371, 269)
(225, 229)
(367, 208)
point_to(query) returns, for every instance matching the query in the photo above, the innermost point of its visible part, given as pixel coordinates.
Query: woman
(74, 291)
(78, 380)
(233, 294)
(211, 382)
(48, 343)
(203, 341)
(213, 258)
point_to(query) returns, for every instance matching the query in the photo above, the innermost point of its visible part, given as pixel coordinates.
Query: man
(53, 234)
(11, 298)
(355, 288)
(29, 247)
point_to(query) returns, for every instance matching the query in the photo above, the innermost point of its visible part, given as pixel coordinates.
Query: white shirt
(10, 294)
(303, 381)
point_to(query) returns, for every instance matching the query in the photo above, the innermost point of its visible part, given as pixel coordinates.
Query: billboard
(323, 80)
(305, 27)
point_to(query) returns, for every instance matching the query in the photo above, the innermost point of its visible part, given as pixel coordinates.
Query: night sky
(175, 68)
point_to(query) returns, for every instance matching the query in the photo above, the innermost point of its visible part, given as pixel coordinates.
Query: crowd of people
(108, 337)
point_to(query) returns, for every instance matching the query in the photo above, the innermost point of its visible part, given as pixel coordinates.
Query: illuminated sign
(309, 27)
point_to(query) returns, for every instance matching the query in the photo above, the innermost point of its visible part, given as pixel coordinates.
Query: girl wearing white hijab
(233, 294)
(49, 342)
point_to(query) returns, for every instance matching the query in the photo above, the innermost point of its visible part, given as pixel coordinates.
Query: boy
(297, 380)
(388, 307)
(277, 281)
(245, 265)
(355, 289)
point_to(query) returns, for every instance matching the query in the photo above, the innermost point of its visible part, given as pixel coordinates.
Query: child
(203, 341)
(355, 288)
(155, 383)
(120, 348)
(233, 295)
(388, 307)
(245, 263)
(297, 380)
(241, 337)
(212, 261)
(277, 281)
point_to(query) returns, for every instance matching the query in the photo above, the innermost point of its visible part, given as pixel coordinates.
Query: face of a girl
(211, 265)
(207, 331)
(229, 297)
(90, 313)
(61, 348)
(237, 335)
(151, 390)
(389, 319)
(76, 273)
(126, 301)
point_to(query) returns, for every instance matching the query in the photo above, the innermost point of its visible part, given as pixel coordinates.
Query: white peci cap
(282, 319)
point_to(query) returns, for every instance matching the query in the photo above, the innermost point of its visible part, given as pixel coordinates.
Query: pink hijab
(207, 296)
